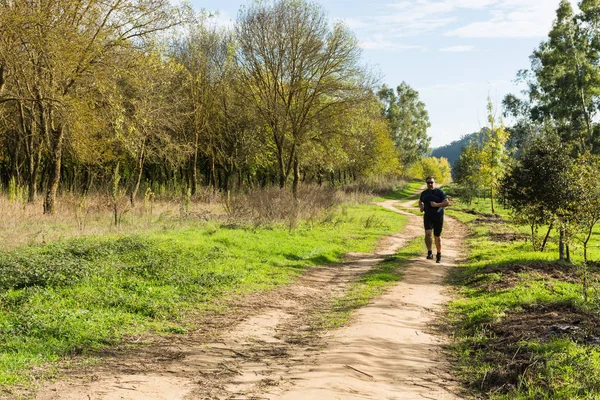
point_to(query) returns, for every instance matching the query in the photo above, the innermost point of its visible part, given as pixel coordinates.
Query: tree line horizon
(131, 92)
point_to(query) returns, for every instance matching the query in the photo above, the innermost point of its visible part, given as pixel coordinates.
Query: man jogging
(432, 203)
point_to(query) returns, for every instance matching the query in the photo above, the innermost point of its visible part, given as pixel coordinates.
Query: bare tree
(296, 68)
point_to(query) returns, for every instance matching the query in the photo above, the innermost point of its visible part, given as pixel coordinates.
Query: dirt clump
(507, 237)
(506, 276)
(540, 323)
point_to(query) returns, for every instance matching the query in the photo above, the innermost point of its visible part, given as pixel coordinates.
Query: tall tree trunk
(2, 79)
(546, 238)
(281, 165)
(213, 176)
(33, 174)
(33, 152)
(55, 164)
(296, 177)
(561, 245)
(88, 179)
(140, 168)
(194, 166)
(226, 180)
(115, 193)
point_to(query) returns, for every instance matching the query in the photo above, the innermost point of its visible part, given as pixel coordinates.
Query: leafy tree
(565, 78)
(63, 46)
(466, 171)
(431, 166)
(296, 70)
(483, 161)
(538, 187)
(525, 127)
(585, 212)
(493, 158)
(408, 120)
(364, 139)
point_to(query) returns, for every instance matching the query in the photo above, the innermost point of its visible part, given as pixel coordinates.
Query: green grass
(369, 286)
(76, 296)
(492, 296)
(406, 190)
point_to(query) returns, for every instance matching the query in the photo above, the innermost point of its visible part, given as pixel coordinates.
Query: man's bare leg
(438, 246)
(428, 239)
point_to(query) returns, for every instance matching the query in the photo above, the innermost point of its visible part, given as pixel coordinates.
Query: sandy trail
(268, 350)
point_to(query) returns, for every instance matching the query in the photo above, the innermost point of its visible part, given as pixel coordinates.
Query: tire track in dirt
(268, 349)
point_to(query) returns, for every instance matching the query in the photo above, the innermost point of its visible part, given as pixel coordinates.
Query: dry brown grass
(93, 215)
(273, 205)
(25, 224)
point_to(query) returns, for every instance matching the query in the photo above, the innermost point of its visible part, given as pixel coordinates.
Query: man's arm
(441, 204)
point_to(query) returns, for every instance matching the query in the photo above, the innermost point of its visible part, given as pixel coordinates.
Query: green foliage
(584, 212)
(16, 192)
(540, 187)
(408, 121)
(483, 161)
(431, 166)
(505, 279)
(184, 106)
(564, 77)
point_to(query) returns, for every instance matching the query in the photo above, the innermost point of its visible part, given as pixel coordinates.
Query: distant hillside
(452, 151)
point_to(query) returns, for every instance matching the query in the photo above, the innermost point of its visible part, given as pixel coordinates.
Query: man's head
(430, 180)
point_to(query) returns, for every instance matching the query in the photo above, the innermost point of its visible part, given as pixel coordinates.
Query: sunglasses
(430, 183)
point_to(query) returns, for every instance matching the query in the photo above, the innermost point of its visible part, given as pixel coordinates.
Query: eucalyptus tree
(296, 68)
(524, 127)
(409, 121)
(63, 44)
(564, 79)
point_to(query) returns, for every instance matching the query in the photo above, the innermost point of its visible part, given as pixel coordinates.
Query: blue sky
(453, 52)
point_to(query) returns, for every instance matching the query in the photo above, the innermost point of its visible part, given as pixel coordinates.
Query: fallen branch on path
(359, 371)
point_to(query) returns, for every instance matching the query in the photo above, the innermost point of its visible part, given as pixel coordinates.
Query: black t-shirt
(437, 195)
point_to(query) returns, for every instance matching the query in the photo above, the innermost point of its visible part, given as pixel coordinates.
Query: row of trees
(553, 178)
(140, 90)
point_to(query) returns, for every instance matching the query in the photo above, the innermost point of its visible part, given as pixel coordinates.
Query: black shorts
(434, 222)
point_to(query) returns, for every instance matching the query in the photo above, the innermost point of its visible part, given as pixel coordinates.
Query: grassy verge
(75, 296)
(369, 286)
(407, 189)
(525, 327)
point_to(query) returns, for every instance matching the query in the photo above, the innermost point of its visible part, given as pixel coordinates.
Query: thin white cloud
(496, 18)
(456, 49)
(513, 19)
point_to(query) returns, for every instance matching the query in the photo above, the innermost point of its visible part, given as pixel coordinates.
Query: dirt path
(268, 350)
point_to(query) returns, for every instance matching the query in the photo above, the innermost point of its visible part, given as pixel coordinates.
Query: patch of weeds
(505, 276)
(537, 351)
(523, 328)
